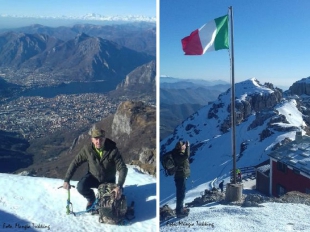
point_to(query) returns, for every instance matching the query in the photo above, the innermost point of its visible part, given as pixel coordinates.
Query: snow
(36, 204)
(212, 163)
(251, 86)
(275, 217)
(293, 115)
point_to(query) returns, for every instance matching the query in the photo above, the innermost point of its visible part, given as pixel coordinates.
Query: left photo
(78, 115)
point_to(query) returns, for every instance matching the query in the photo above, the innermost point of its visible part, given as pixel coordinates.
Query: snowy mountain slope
(264, 125)
(36, 204)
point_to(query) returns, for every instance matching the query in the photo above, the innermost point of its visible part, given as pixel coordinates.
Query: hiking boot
(183, 213)
(89, 205)
(90, 208)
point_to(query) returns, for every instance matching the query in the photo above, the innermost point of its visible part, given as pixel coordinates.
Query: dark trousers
(180, 184)
(85, 184)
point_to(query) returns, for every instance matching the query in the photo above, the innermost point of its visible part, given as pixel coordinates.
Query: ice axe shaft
(69, 204)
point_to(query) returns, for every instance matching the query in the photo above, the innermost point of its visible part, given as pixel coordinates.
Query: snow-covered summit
(245, 89)
(264, 121)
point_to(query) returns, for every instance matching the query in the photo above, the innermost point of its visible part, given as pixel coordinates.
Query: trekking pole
(68, 200)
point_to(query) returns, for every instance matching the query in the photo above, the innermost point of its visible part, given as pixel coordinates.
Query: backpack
(168, 164)
(166, 213)
(111, 210)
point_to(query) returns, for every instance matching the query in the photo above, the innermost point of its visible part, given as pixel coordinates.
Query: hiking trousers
(180, 184)
(85, 186)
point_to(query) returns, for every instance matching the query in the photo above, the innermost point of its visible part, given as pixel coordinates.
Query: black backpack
(168, 164)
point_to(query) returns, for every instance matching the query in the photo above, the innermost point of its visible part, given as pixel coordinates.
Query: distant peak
(37, 25)
(81, 37)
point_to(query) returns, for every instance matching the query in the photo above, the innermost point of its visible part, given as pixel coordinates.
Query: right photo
(234, 119)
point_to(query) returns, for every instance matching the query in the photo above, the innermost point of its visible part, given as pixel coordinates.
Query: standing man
(238, 172)
(103, 160)
(181, 154)
(221, 186)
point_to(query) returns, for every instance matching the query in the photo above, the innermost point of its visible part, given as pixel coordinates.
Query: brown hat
(95, 133)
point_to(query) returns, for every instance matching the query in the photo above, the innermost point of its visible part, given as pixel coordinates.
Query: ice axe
(69, 206)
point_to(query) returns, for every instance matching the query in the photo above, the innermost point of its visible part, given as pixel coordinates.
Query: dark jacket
(103, 169)
(181, 160)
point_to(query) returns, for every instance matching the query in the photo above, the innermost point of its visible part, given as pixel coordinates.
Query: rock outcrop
(301, 87)
(143, 75)
(246, 104)
(133, 128)
(139, 84)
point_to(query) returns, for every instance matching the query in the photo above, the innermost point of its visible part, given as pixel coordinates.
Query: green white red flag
(212, 36)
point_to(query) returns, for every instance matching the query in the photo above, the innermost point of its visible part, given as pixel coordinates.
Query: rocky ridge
(245, 106)
(300, 91)
(253, 100)
(139, 84)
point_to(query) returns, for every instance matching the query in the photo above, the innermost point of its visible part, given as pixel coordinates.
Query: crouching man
(103, 160)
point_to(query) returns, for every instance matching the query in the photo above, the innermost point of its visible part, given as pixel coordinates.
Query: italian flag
(212, 36)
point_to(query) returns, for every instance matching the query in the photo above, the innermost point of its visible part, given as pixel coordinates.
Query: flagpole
(233, 114)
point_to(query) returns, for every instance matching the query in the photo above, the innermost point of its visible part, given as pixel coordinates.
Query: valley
(36, 117)
(54, 89)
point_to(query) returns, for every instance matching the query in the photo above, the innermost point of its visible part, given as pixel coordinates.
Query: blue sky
(78, 7)
(271, 40)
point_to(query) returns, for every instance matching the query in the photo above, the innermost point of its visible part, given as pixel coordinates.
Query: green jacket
(181, 160)
(104, 168)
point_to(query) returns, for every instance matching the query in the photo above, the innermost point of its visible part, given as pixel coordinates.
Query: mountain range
(179, 98)
(40, 59)
(174, 80)
(140, 37)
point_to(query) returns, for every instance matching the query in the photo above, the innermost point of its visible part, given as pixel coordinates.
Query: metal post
(233, 114)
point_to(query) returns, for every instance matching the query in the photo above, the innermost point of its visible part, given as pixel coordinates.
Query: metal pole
(233, 114)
